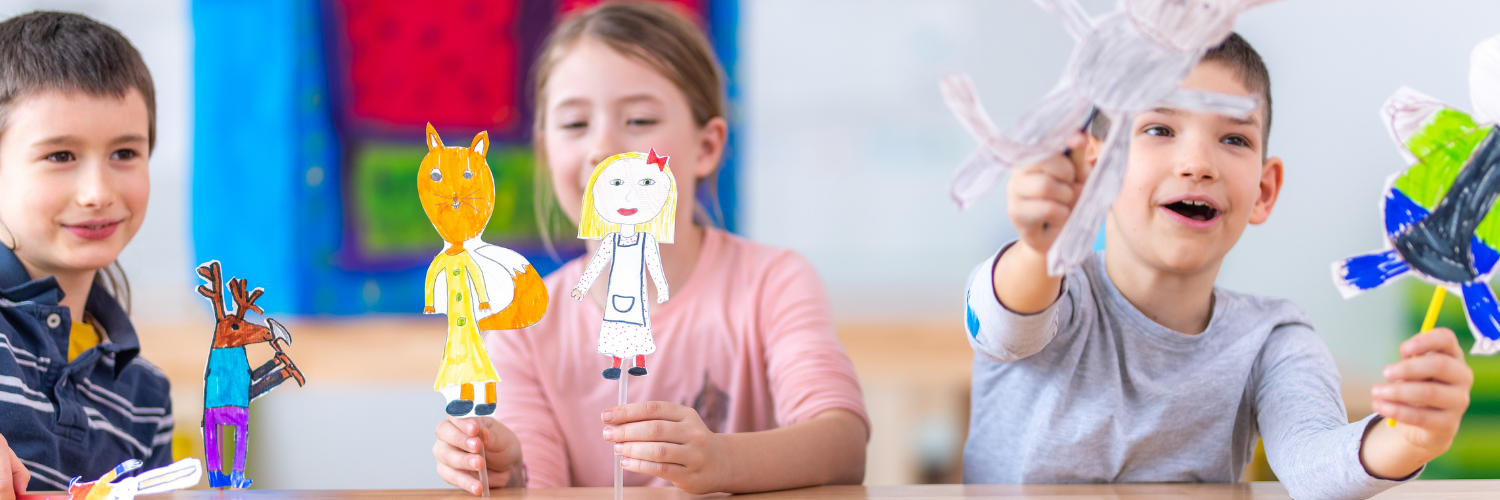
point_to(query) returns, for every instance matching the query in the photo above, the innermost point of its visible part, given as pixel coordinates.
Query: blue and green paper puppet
(1441, 222)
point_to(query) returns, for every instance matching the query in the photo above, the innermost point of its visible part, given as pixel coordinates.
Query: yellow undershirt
(82, 338)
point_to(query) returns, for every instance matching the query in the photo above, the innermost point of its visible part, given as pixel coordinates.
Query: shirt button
(53, 320)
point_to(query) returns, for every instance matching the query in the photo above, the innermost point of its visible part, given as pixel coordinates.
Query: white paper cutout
(1126, 62)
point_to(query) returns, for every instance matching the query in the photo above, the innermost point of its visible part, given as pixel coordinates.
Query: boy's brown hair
(1240, 57)
(43, 51)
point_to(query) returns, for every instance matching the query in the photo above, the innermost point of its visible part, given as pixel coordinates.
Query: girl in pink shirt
(750, 389)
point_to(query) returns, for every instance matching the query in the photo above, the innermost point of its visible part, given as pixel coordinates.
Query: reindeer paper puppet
(1440, 222)
(630, 205)
(229, 385)
(182, 474)
(1126, 62)
(478, 285)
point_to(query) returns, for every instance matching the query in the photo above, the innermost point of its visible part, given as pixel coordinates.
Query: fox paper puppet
(630, 205)
(1440, 219)
(1127, 61)
(229, 385)
(478, 285)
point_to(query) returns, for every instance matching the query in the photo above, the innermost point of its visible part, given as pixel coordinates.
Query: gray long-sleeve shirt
(1091, 390)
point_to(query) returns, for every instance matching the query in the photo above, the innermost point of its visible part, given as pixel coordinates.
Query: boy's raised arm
(1039, 199)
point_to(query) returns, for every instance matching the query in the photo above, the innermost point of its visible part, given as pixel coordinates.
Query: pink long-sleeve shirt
(748, 341)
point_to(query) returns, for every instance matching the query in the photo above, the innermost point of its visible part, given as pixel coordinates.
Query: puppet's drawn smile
(627, 211)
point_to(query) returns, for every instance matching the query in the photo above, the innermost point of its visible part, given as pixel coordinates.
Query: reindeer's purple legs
(239, 418)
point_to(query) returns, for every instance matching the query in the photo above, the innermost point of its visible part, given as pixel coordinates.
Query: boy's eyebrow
(1254, 118)
(60, 140)
(129, 138)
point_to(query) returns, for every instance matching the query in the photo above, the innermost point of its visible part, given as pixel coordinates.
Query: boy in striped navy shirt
(77, 123)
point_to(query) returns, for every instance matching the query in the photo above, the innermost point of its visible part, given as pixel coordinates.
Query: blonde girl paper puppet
(630, 205)
(1126, 62)
(478, 285)
(1440, 219)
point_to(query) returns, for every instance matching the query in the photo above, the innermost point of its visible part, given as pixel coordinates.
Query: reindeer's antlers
(210, 272)
(242, 301)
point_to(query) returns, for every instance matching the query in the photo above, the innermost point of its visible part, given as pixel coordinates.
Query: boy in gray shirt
(1136, 368)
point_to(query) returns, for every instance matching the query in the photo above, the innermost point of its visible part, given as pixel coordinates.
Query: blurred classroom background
(288, 130)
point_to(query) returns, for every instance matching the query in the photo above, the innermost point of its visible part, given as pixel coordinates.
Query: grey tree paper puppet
(1439, 214)
(630, 204)
(1126, 62)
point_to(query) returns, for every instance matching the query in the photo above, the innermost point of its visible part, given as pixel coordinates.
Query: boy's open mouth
(1194, 209)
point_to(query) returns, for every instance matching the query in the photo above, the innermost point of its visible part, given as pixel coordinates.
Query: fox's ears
(481, 144)
(433, 141)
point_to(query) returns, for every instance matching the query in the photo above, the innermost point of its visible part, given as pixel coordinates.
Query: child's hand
(1427, 394)
(13, 474)
(457, 455)
(668, 441)
(1040, 196)
(577, 294)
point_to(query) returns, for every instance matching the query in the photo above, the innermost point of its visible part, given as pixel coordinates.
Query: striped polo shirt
(79, 418)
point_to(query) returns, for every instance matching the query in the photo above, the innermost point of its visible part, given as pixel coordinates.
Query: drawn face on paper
(456, 187)
(631, 191)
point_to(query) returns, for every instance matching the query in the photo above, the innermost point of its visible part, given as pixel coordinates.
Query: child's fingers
(13, 474)
(1057, 167)
(1042, 187)
(466, 481)
(1027, 214)
(664, 453)
(1437, 340)
(1081, 167)
(650, 430)
(645, 410)
(1431, 367)
(1423, 394)
(670, 472)
(1413, 415)
(448, 456)
(458, 434)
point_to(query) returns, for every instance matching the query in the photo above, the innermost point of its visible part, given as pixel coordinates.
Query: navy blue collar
(16, 285)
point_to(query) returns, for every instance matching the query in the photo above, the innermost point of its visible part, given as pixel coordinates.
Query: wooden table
(1445, 490)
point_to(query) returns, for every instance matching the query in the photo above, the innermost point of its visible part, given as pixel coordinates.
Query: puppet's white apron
(627, 329)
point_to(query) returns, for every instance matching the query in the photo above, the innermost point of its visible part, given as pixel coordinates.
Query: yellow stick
(1428, 322)
(1433, 308)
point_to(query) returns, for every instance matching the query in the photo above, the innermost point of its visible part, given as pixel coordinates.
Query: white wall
(849, 147)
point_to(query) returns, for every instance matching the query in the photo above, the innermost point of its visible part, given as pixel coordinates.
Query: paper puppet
(229, 385)
(1440, 225)
(630, 205)
(1126, 62)
(182, 474)
(478, 285)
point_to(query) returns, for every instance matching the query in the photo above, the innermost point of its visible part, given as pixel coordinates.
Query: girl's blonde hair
(591, 226)
(652, 33)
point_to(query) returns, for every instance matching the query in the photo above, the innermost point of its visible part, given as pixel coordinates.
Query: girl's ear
(712, 138)
(481, 143)
(433, 141)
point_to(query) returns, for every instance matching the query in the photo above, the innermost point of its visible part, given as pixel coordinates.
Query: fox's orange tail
(526, 309)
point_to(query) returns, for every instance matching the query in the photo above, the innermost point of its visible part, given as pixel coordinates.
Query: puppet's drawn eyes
(436, 176)
(617, 182)
(648, 182)
(468, 174)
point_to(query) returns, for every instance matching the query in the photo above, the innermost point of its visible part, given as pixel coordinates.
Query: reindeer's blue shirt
(227, 382)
